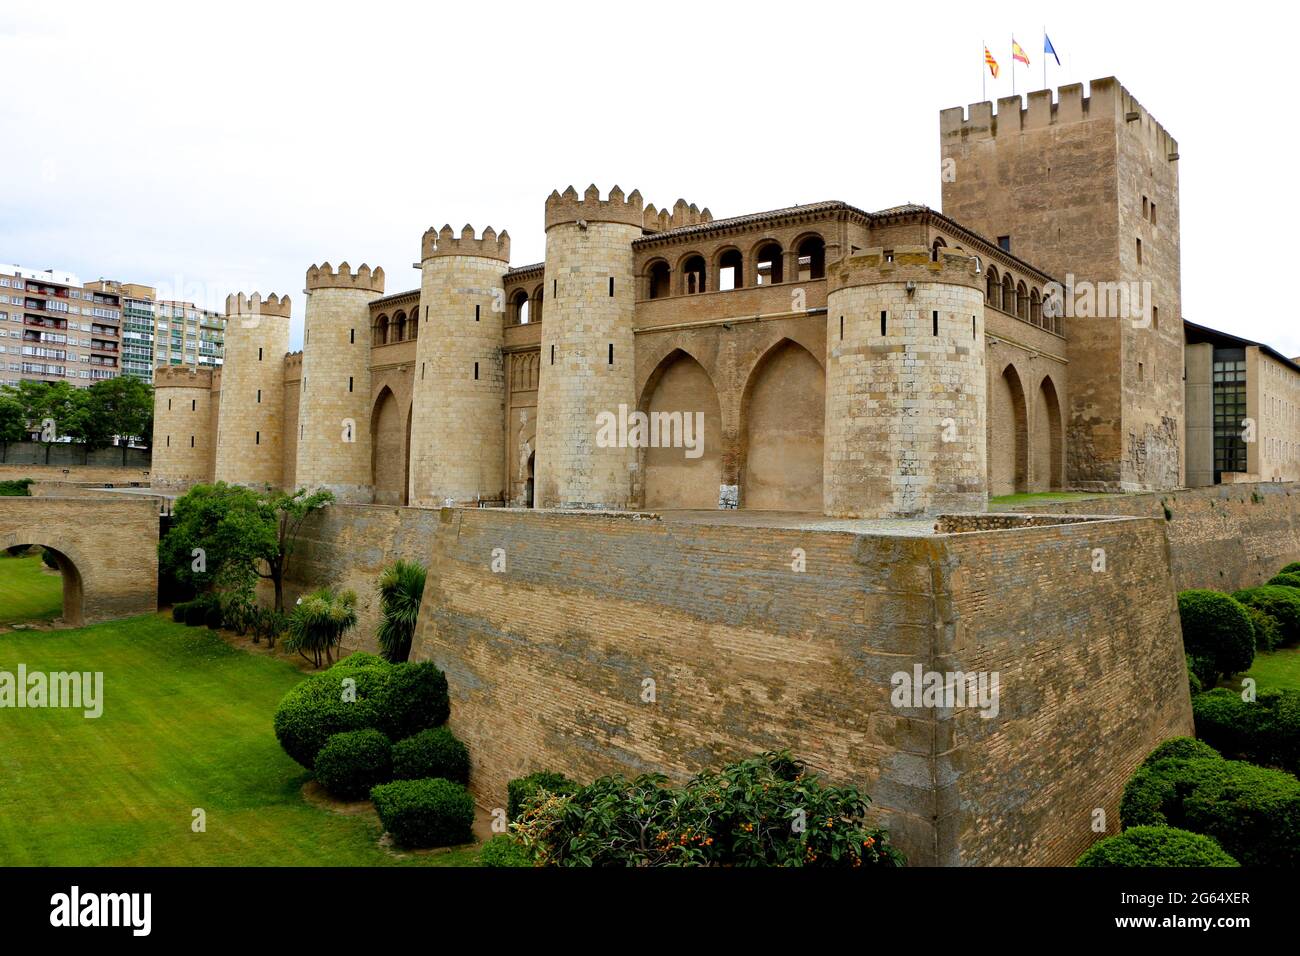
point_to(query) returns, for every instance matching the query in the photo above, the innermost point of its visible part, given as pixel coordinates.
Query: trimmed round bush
(435, 752)
(1216, 626)
(1280, 603)
(1205, 671)
(1180, 748)
(360, 659)
(178, 611)
(416, 699)
(1292, 568)
(522, 789)
(1287, 579)
(1264, 731)
(196, 612)
(1253, 812)
(324, 705)
(352, 763)
(425, 813)
(212, 617)
(1268, 635)
(1156, 846)
(502, 851)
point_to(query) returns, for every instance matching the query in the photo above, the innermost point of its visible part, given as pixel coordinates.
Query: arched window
(1008, 303)
(381, 330)
(768, 264)
(812, 258)
(399, 327)
(536, 314)
(934, 249)
(1035, 308)
(993, 289)
(731, 270)
(413, 327)
(1022, 302)
(519, 308)
(693, 275)
(659, 276)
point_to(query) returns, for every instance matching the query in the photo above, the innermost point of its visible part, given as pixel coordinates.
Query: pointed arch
(388, 449)
(1048, 439)
(1008, 429)
(783, 411)
(679, 387)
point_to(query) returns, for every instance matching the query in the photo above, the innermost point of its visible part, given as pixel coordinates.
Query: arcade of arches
(1025, 437)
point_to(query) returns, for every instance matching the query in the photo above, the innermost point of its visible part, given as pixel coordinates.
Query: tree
(13, 421)
(319, 621)
(52, 410)
(119, 408)
(400, 587)
(228, 536)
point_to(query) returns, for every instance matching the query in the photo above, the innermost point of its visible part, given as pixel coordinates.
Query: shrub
(1180, 748)
(268, 624)
(1265, 731)
(425, 813)
(319, 621)
(401, 588)
(1205, 671)
(1282, 604)
(322, 706)
(1194, 683)
(504, 850)
(1253, 812)
(742, 815)
(1292, 568)
(416, 699)
(16, 488)
(1288, 579)
(212, 617)
(352, 763)
(361, 659)
(49, 560)
(1268, 635)
(431, 753)
(196, 613)
(1216, 626)
(522, 789)
(1156, 846)
(178, 611)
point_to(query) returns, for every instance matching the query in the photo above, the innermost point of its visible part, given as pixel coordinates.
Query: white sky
(221, 147)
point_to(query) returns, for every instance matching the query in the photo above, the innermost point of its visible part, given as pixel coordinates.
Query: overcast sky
(209, 148)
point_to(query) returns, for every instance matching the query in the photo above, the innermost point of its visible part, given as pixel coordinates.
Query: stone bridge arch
(106, 548)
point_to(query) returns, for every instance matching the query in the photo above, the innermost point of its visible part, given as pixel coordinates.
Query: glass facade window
(1229, 411)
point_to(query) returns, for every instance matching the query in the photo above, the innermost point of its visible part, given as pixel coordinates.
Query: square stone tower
(1086, 188)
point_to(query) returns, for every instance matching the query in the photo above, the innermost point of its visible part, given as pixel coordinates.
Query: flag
(993, 64)
(1048, 48)
(1019, 54)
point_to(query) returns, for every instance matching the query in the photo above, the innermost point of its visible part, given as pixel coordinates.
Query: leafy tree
(400, 587)
(239, 535)
(57, 403)
(118, 408)
(13, 420)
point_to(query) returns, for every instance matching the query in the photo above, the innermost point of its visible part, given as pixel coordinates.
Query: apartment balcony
(40, 323)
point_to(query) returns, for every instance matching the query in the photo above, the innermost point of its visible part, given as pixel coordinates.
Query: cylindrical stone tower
(457, 433)
(905, 385)
(182, 427)
(587, 368)
(334, 393)
(249, 437)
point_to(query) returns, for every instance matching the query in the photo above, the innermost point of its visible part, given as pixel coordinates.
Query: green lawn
(28, 592)
(1278, 669)
(186, 724)
(1011, 502)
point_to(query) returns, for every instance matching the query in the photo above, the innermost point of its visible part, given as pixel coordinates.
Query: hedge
(1253, 812)
(1265, 731)
(1287, 579)
(522, 789)
(1278, 602)
(352, 763)
(1268, 634)
(417, 699)
(1216, 626)
(1156, 846)
(1180, 747)
(1292, 568)
(503, 851)
(435, 752)
(425, 813)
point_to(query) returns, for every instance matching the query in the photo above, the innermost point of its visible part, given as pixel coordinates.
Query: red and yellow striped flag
(1017, 53)
(993, 64)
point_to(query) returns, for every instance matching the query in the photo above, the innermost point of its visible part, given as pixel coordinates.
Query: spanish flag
(993, 64)
(1017, 53)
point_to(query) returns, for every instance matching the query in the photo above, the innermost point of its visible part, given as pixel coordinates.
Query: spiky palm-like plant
(400, 587)
(319, 621)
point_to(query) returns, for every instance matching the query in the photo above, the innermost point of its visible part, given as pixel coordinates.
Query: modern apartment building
(53, 328)
(163, 332)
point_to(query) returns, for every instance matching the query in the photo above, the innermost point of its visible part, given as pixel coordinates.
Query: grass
(1007, 502)
(28, 592)
(1278, 669)
(186, 724)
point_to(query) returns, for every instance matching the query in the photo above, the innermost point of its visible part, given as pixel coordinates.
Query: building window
(1229, 391)
(1004, 243)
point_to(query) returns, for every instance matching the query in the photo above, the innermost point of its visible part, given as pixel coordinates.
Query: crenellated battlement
(568, 207)
(1106, 100)
(661, 220)
(326, 276)
(444, 242)
(254, 304)
(182, 376)
(904, 264)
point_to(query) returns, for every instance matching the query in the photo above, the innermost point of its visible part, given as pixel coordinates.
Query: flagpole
(984, 87)
(1044, 55)
(1013, 66)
